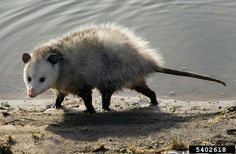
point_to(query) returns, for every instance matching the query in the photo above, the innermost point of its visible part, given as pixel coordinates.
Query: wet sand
(132, 126)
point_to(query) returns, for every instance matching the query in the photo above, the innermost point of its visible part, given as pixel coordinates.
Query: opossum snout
(32, 93)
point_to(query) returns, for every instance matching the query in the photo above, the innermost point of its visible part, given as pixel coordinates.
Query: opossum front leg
(59, 100)
(86, 95)
(142, 88)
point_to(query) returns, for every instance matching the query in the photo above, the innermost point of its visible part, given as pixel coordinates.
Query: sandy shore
(30, 126)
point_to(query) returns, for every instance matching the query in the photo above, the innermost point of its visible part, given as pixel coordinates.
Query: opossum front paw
(153, 103)
(89, 112)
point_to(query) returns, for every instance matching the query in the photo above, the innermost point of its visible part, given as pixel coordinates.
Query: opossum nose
(32, 93)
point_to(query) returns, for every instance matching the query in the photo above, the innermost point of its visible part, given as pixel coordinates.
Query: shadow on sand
(131, 123)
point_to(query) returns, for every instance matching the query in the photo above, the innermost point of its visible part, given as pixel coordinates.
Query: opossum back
(112, 37)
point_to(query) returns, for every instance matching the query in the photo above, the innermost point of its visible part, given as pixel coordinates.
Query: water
(197, 35)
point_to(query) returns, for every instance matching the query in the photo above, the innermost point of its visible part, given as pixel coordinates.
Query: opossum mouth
(32, 95)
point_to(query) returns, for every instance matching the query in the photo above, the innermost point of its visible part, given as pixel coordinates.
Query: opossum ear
(26, 57)
(53, 59)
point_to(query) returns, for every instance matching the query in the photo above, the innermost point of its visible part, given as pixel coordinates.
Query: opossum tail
(188, 74)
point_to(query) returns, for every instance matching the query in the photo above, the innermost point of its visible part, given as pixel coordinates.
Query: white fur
(36, 70)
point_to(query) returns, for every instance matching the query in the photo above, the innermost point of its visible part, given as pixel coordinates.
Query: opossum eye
(29, 79)
(42, 79)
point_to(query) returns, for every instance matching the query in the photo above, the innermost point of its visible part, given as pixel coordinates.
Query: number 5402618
(210, 149)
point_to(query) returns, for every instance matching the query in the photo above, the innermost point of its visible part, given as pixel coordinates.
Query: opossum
(103, 56)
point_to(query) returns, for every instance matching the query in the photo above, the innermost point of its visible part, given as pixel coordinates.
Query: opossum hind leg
(142, 88)
(106, 98)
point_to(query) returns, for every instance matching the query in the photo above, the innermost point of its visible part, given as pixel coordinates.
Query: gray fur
(105, 56)
(115, 61)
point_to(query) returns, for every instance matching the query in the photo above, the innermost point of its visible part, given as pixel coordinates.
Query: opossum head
(40, 73)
